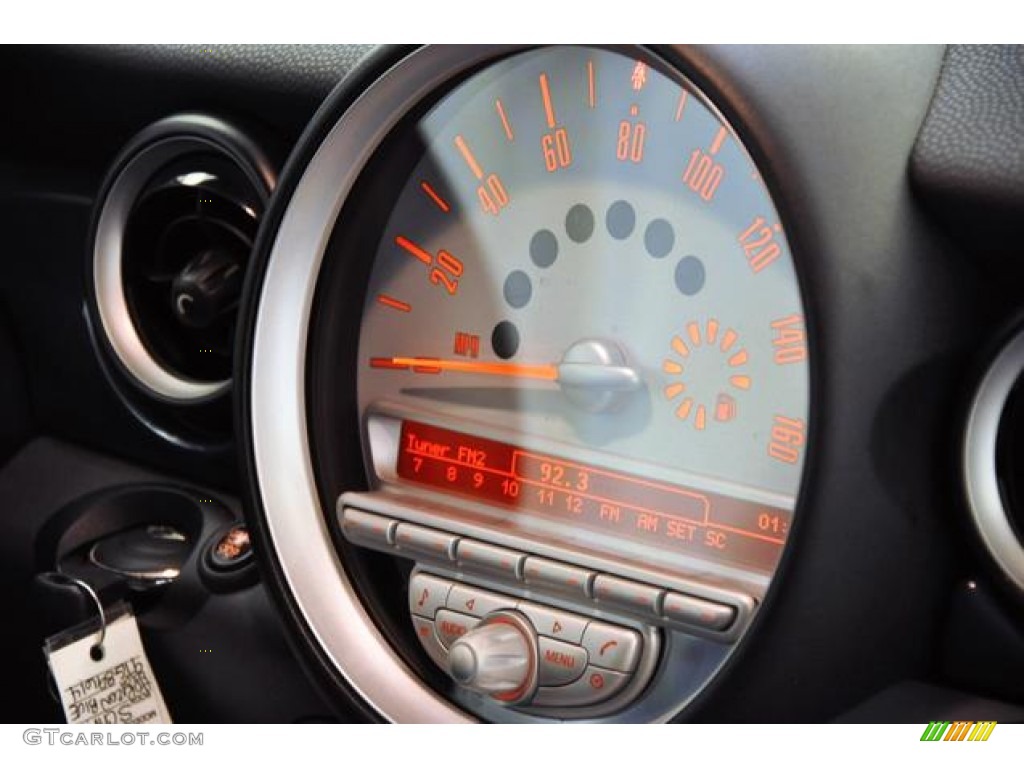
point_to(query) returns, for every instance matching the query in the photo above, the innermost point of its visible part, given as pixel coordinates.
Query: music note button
(426, 594)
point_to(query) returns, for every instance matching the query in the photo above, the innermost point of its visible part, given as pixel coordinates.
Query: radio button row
(477, 556)
(593, 687)
(548, 574)
(638, 598)
(383, 533)
(477, 602)
(427, 594)
(613, 647)
(428, 637)
(559, 663)
(554, 624)
(369, 530)
(451, 626)
(427, 542)
(698, 612)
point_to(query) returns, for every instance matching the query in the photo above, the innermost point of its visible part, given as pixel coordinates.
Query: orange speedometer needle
(435, 365)
(592, 374)
(575, 375)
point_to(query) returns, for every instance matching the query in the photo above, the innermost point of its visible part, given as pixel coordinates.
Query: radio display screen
(648, 512)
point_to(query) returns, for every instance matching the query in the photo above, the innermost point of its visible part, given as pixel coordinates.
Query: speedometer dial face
(584, 317)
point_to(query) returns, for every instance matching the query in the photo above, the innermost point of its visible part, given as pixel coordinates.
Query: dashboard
(522, 384)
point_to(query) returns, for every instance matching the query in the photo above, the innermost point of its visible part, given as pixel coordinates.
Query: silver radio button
(593, 687)
(701, 613)
(427, 542)
(477, 602)
(426, 594)
(639, 598)
(486, 558)
(613, 647)
(369, 530)
(559, 663)
(548, 574)
(428, 637)
(451, 626)
(554, 624)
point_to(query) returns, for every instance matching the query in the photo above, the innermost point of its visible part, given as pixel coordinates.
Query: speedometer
(583, 313)
(550, 357)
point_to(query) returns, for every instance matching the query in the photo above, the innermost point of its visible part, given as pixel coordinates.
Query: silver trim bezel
(323, 593)
(980, 475)
(171, 141)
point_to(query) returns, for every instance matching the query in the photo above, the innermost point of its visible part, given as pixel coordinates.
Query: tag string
(96, 651)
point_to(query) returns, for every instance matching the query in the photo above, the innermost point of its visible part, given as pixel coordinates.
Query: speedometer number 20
(447, 272)
(444, 269)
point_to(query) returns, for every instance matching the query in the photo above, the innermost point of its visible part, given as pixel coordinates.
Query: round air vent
(993, 460)
(174, 229)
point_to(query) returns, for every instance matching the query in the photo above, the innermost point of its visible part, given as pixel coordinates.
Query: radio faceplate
(572, 610)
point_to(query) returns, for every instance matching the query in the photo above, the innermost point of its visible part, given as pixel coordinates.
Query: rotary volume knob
(498, 657)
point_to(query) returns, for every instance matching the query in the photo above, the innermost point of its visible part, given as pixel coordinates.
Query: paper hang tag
(119, 687)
